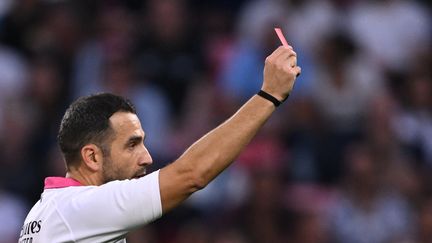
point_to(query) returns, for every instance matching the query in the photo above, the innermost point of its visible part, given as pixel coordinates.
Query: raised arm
(215, 151)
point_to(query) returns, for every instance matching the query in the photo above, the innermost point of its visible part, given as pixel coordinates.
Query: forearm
(211, 154)
(217, 149)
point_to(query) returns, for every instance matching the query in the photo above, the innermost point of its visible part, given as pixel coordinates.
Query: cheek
(121, 157)
(127, 164)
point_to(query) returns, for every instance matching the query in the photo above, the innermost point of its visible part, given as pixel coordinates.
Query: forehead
(126, 124)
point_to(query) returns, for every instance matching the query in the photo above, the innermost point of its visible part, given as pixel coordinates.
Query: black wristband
(270, 98)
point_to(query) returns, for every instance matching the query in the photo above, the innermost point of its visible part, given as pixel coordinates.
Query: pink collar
(59, 182)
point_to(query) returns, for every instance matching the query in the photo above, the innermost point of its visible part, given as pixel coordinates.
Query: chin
(138, 176)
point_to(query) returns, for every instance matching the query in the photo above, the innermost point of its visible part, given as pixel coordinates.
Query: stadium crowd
(348, 158)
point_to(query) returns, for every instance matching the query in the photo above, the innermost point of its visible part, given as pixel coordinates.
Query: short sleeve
(111, 210)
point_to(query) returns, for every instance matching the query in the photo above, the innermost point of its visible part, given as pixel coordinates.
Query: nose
(146, 158)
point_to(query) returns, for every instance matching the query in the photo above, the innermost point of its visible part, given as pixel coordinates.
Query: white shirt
(69, 212)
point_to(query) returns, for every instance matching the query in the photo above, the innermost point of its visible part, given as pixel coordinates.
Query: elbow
(203, 175)
(198, 175)
(196, 182)
(199, 183)
(190, 180)
(209, 168)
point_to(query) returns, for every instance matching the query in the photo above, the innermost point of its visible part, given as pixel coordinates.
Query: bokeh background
(347, 159)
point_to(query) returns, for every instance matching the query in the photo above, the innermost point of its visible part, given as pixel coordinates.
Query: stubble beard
(109, 171)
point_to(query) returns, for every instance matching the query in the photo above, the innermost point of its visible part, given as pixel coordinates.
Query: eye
(133, 144)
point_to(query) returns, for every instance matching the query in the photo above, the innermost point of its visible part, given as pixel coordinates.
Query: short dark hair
(87, 121)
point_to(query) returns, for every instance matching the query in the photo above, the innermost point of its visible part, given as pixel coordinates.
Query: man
(105, 193)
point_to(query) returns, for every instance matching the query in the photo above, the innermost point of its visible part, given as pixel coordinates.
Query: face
(128, 156)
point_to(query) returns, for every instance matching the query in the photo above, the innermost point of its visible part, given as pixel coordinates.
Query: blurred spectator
(17, 129)
(308, 25)
(311, 21)
(18, 24)
(202, 110)
(143, 235)
(46, 99)
(113, 42)
(308, 228)
(13, 79)
(257, 19)
(379, 131)
(228, 191)
(425, 221)
(342, 98)
(367, 211)
(262, 216)
(47, 91)
(12, 211)
(413, 124)
(399, 171)
(301, 132)
(229, 235)
(240, 77)
(390, 31)
(13, 70)
(169, 53)
(5, 7)
(309, 205)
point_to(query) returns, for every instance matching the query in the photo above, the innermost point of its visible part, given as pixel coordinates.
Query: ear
(92, 157)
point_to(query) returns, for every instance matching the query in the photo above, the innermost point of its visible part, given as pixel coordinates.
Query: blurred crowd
(347, 159)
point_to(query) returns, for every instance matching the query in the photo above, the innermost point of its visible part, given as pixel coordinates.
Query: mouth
(139, 175)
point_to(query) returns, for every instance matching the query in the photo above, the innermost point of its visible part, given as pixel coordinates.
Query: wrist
(276, 102)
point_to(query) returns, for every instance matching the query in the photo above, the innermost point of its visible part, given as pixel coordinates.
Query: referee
(106, 192)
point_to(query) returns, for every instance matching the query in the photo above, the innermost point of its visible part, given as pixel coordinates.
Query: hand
(280, 72)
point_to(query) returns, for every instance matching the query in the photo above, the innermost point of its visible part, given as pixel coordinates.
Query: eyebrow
(135, 139)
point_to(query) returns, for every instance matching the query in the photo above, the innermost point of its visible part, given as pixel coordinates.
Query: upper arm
(176, 183)
(212, 153)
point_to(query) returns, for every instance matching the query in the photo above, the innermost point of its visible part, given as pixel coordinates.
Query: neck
(85, 177)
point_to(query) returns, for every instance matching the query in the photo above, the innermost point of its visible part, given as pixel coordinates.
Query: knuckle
(267, 60)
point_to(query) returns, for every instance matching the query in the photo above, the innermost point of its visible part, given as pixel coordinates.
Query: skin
(127, 159)
(202, 161)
